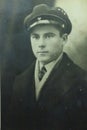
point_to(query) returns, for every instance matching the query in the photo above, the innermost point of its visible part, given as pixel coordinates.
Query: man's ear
(65, 37)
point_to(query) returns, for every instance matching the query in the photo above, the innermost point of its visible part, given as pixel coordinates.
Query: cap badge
(39, 18)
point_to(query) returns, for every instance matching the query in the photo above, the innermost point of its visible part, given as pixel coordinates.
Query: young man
(52, 93)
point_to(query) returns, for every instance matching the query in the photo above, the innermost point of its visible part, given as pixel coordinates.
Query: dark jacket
(62, 104)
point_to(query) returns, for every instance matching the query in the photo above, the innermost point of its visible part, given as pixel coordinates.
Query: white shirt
(49, 67)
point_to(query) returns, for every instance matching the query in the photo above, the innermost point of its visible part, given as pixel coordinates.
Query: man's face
(46, 42)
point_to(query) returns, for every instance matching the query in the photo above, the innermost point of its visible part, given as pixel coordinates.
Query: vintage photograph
(43, 64)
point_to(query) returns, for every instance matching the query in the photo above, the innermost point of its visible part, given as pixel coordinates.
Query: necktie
(42, 72)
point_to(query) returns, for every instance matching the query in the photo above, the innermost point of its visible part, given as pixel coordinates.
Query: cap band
(45, 22)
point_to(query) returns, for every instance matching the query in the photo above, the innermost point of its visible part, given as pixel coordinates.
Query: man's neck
(50, 64)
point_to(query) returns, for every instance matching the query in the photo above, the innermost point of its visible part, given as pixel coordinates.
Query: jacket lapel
(57, 84)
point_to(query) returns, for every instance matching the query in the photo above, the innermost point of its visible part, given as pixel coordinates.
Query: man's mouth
(42, 52)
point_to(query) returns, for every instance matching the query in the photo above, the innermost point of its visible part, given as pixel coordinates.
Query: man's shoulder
(28, 71)
(71, 66)
(72, 72)
(75, 76)
(25, 77)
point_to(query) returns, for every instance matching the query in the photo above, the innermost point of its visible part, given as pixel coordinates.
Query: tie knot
(42, 72)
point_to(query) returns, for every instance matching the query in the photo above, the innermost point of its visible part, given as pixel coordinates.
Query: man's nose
(41, 42)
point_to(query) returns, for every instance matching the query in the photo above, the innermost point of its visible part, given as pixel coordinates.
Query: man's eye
(50, 35)
(35, 36)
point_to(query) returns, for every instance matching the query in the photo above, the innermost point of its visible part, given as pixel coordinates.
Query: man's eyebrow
(51, 33)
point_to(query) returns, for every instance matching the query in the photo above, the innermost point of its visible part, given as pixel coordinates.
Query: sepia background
(15, 49)
(77, 44)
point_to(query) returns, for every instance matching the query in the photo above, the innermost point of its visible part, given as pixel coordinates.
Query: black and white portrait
(44, 65)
